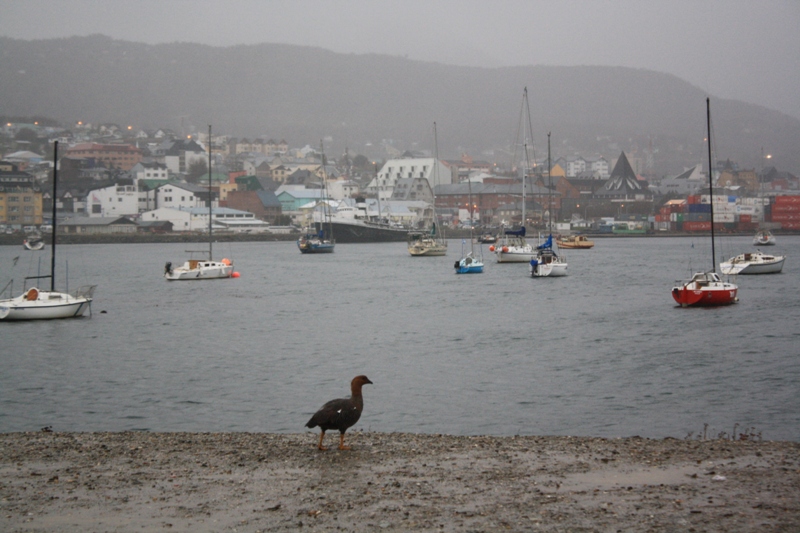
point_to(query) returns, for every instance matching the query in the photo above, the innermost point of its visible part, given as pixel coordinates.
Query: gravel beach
(247, 482)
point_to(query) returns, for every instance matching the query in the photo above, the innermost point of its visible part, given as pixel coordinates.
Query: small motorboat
(33, 243)
(576, 242)
(764, 238)
(487, 238)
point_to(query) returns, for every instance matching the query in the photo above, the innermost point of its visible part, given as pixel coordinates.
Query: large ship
(353, 224)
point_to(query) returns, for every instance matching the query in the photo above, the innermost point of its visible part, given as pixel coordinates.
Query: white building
(113, 201)
(687, 182)
(149, 171)
(343, 188)
(180, 196)
(429, 168)
(196, 219)
(575, 165)
(599, 165)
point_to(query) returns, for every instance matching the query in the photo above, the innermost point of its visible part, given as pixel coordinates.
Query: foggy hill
(302, 94)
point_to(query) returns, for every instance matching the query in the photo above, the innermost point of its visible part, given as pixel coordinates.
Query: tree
(196, 171)
(361, 162)
(283, 220)
(27, 134)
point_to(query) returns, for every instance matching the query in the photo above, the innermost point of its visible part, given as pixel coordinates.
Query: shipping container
(696, 226)
(785, 208)
(786, 200)
(724, 217)
(699, 208)
(696, 217)
(784, 217)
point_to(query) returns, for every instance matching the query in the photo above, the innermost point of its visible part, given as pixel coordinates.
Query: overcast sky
(747, 50)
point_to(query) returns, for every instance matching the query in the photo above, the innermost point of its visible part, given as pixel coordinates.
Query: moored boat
(426, 244)
(764, 238)
(575, 242)
(431, 243)
(706, 288)
(321, 242)
(40, 304)
(487, 238)
(197, 269)
(753, 263)
(547, 262)
(33, 243)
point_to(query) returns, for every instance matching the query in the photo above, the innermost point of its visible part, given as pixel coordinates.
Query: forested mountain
(303, 94)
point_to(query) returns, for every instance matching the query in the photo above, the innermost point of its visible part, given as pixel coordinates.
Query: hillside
(302, 94)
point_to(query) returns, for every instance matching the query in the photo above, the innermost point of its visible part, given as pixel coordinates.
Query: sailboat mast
(549, 190)
(436, 226)
(210, 253)
(710, 185)
(55, 232)
(325, 207)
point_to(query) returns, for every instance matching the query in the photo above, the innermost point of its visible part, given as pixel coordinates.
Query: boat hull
(33, 245)
(45, 305)
(514, 256)
(758, 265)
(427, 247)
(764, 238)
(199, 270)
(428, 251)
(705, 293)
(472, 269)
(315, 246)
(575, 243)
(468, 265)
(362, 232)
(549, 270)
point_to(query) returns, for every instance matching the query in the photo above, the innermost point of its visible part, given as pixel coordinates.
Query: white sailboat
(753, 263)
(512, 246)
(41, 304)
(432, 242)
(198, 269)
(547, 262)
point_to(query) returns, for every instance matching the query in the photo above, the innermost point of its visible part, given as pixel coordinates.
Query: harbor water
(602, 352)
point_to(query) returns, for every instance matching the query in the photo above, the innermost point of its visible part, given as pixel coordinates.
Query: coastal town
(116, 180)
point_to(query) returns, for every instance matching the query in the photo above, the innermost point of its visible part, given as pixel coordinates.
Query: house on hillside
(262, 203)
(428, 168)
(687, 182)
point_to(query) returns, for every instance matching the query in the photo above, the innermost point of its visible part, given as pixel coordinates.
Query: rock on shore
(52, 481)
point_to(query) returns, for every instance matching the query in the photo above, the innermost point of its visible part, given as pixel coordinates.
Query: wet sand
(250, 482)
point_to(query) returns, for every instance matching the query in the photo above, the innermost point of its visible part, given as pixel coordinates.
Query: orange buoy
(491, 248)
(505, 249)
(235, 275)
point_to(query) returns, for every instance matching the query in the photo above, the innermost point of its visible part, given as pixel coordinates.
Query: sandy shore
(393, 482)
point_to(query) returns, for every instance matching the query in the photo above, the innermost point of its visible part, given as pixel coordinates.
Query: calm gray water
(603, 352)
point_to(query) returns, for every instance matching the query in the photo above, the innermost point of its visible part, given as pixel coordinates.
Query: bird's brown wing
(336, 414)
